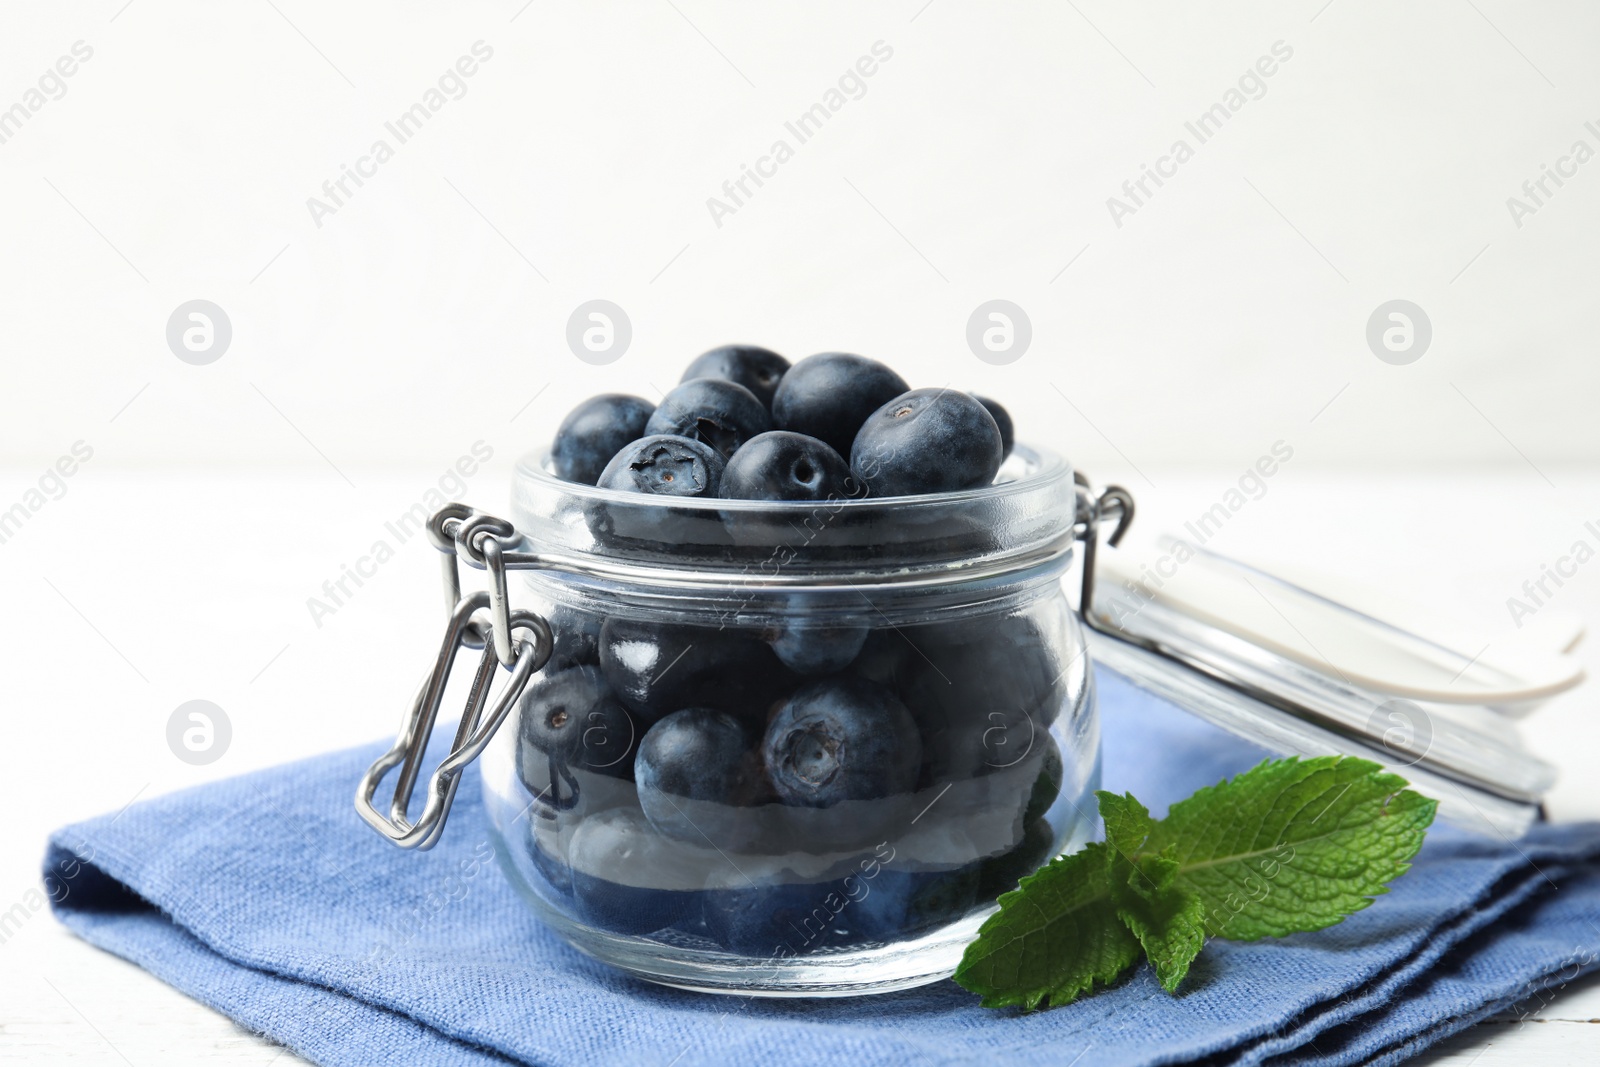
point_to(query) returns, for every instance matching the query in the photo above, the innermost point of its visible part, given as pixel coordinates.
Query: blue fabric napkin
(267, 898)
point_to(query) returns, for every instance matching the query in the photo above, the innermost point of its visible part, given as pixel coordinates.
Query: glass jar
(860, 721)
(800, 749)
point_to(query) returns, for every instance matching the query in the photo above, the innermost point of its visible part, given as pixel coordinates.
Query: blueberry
(776, 921)
(831, 394)
(573, 716)
(665, 465)
(698, 773)
(595, 431)
(571, 729)
(780, 465)
(657, 669)
(576, 639)
(652, 524)
(721, 414)
(757, 369)
(889, 658)
(927, 441)
(841, 739)
(904, 904)
(644, 516)
(548, 851)
(809, 648)
(976, 741)
(627, 879)
(1002, 419)
(1000, 874)
(1047, 786)
(983, 690)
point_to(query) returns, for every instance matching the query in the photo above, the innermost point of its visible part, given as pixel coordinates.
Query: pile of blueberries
(816, 739)
(744, 424)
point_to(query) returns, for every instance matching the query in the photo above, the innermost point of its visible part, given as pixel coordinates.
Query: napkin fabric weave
(266, 897)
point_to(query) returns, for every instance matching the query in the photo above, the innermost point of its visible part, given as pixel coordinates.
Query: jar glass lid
(1302, 674)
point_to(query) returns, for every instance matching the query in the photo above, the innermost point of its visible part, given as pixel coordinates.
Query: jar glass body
(794, 750)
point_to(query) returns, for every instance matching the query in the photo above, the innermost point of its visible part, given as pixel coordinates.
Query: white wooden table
(129, 598)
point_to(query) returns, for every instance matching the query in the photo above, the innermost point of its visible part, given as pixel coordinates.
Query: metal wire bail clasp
(1094, 507)
(457, 528)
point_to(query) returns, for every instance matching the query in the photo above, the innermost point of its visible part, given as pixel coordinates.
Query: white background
(429, 312)
(1200, 331)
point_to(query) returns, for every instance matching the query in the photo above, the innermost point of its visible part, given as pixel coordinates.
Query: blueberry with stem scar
(927, 441)
(572, 719)
(665, 466)
(838, 739)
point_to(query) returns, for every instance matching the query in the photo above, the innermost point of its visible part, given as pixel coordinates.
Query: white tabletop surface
(136, 592)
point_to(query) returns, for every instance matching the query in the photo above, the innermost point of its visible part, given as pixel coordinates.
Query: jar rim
(1025, 518)
(1041, 466)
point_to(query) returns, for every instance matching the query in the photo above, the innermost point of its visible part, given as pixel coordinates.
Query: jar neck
(1027, 516)
(895, 599)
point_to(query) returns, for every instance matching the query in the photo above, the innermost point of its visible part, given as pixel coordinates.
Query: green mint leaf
(1292, 844)
(1168, 920)
(1170, 927)
(1055, 936)
(1128, 822)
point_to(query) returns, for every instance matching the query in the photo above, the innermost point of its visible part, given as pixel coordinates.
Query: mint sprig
(1290, 845)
